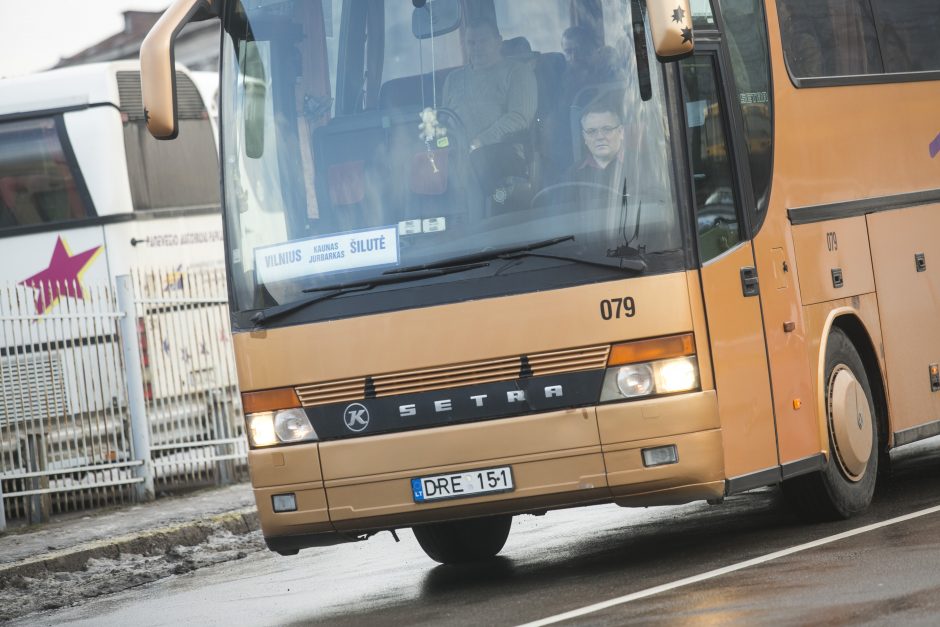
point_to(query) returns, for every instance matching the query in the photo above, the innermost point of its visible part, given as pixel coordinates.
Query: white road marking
(718, 572)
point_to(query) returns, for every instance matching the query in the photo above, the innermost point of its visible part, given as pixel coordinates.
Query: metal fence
(193, 406)
(63, 407)
(112, 393)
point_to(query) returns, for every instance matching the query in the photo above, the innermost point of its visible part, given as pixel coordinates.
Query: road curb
(146, 542)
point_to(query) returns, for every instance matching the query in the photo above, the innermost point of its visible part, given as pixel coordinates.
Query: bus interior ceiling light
(650, 367)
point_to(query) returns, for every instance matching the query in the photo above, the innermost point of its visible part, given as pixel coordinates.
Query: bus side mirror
(670, 28)
(158, 65)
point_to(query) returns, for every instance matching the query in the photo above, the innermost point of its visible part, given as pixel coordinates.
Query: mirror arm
(158, 64)
(644, 82)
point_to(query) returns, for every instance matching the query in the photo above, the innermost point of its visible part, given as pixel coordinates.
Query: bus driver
(496, 99)
(602, 132)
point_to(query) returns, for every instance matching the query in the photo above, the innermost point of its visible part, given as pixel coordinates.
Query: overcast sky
(35, 34)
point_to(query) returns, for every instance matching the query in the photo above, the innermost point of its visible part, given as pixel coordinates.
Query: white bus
(77, 164)
(86, 195)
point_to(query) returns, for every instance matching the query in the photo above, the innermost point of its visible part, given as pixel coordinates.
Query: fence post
(137, 405)
(3, 511)
(39, 505)
(220, 426)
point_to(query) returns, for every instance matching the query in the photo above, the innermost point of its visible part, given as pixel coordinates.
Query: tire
(463, 541)
(846, 485)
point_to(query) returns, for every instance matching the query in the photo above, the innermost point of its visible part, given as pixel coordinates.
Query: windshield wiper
(486, 255)
(636, 264)
(524, 250)
(338, 289)
(439, 268)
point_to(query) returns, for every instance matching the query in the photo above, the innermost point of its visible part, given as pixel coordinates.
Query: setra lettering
(515, 396)
(481, 400)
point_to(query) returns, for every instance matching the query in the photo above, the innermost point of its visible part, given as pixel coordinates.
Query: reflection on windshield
(421, 134)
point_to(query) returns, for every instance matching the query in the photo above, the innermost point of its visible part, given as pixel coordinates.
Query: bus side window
(749, 52)
(39, 180)
(831, 37)
(716, 209)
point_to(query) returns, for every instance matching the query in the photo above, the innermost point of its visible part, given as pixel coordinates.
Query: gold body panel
(739, 358)
(558, 459)
(414, 339)
(820, 157)
(909, 306)
(833, 245)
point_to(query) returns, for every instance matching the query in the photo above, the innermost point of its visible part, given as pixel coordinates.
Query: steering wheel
(572, 188)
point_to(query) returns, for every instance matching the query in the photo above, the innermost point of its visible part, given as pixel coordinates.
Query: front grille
(453, 376)
(448, 377)
(331, 392)
(571, 360)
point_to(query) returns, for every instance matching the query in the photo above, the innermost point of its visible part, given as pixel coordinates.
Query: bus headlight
(276, 427)
(635, 380)
(666, 376)
(292, 425)
(676, 375)
(261, 429)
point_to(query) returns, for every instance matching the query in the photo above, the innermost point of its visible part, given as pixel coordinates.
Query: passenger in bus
(589, 62)
(495, 99)
(590, 67)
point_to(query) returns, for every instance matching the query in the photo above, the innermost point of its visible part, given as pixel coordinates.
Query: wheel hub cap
(850, 417)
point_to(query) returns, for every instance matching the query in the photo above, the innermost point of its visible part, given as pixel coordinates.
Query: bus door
(730, 286)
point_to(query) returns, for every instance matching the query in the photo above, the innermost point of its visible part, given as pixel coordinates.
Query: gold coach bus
(488, 258)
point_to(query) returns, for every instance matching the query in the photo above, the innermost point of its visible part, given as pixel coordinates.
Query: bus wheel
(463, 541)
(846, 485)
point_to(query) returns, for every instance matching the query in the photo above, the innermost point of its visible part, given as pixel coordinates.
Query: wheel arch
(847, 321)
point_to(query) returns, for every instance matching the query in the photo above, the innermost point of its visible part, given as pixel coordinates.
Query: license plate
(462, 484)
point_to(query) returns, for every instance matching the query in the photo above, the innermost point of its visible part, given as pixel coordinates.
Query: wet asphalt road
(571, 559)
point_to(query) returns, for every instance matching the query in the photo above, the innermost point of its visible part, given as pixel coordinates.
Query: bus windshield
(363, 137)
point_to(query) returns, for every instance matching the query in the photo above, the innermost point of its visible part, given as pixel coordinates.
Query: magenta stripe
(935, 147)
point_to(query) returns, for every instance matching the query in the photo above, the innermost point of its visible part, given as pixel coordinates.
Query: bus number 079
(618, 308)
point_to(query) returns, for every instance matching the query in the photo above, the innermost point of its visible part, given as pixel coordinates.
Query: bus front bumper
(345, 490)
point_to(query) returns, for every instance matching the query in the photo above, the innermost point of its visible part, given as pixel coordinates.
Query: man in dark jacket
(602, 132)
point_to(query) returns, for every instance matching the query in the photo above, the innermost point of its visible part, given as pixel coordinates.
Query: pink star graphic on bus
(62, 277)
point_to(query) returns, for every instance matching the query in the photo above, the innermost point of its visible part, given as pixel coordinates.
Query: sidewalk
(70, 540)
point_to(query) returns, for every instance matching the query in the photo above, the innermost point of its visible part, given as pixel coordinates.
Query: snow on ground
(20, 596)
